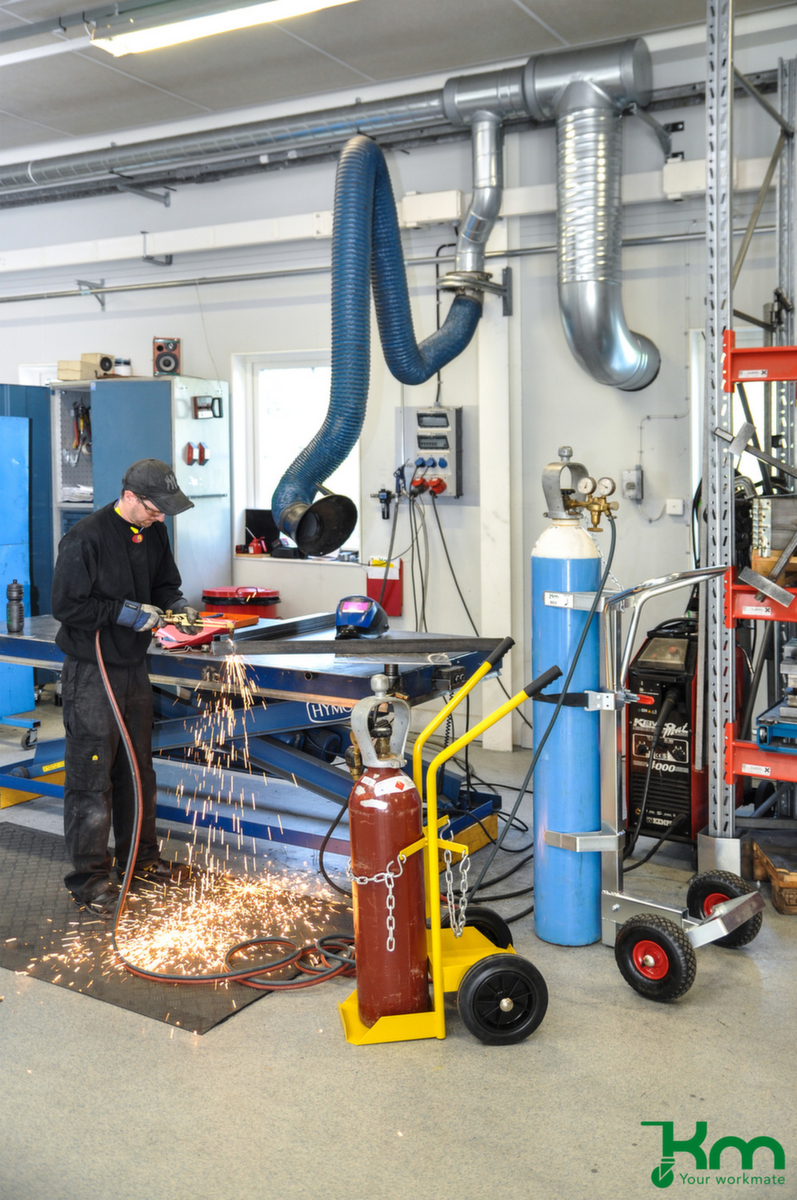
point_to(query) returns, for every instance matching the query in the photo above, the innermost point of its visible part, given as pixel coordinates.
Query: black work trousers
(99, 785)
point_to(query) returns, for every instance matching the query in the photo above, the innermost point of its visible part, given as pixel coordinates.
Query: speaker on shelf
(165, 356)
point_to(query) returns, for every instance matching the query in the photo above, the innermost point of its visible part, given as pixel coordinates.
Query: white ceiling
(85, 92)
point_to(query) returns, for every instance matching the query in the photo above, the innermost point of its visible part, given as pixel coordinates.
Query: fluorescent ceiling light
(138, 40)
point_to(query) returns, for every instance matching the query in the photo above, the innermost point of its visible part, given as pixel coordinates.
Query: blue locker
(16, 683)
(34, 402)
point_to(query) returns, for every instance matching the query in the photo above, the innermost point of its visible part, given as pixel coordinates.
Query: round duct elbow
(589, 216)
(601, 342)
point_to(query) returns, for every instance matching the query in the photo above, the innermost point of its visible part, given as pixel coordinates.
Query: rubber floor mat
(45, 935)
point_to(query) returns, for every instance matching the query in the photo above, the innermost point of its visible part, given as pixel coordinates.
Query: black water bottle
(15, 610)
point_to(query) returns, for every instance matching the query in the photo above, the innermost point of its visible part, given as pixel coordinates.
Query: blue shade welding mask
(360, 616)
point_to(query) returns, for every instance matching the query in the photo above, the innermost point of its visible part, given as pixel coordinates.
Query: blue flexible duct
(365, 243)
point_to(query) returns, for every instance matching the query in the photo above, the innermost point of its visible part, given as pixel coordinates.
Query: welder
(115, 572)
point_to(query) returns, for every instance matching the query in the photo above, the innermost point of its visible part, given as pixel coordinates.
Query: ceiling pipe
(280, 135)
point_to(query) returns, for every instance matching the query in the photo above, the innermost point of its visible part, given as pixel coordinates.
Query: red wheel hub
(650, 959)
(711, 901)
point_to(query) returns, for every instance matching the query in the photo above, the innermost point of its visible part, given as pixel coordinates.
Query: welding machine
(665, 668)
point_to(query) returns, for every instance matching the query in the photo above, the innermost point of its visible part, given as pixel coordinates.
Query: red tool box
(242, 601)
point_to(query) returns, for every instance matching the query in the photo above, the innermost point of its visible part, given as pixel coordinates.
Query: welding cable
(504, 896)
(679, 820)
(418, 515)
(390, 550)
(243, 975)
(343, 891)
(517, 916)
(339, 963)
(462, 598)
(558, 707)
(671, 698)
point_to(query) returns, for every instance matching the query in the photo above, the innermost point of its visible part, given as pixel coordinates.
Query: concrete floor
(98, 1103)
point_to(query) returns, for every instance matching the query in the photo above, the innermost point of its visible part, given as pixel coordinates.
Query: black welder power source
(665, 668)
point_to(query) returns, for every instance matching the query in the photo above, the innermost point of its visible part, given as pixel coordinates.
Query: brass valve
(354, 759)
(593, 498)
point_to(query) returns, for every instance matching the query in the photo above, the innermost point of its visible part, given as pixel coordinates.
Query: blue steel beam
(270, 755)
(278, 716)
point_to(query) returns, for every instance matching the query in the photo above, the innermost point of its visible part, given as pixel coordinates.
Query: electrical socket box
(674, 507)
(437, 439)
(633, 485)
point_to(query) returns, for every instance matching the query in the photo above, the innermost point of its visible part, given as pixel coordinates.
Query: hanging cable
(462, 598)
(390, 549)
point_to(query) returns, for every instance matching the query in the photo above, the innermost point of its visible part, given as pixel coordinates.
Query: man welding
(115, 572)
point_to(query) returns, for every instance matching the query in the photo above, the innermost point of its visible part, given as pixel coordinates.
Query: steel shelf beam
(718, 537)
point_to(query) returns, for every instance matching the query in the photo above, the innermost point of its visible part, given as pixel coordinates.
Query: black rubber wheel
(488, 923)
(29, 739)
(709, 890)
(502, 999)
(655, 957)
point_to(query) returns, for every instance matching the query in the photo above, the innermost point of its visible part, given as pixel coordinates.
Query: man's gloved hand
(185, 610)
(140, 617)
(150, 617)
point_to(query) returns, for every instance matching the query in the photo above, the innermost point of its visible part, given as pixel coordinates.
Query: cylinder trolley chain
(457, 920)
(388, 878)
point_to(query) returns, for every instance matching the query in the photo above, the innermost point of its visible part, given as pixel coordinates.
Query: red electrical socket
(419, 485)
(437, 485)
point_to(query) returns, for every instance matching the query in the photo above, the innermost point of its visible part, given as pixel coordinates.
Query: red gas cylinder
(385, 817)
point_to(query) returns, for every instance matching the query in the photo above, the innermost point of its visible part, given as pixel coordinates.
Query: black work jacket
(99, 566)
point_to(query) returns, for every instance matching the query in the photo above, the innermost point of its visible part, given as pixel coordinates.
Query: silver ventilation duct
(586, 92)
(488, 188)
(484, 102)
(282, 134)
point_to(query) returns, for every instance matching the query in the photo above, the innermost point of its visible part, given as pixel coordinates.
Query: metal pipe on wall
(323, 269)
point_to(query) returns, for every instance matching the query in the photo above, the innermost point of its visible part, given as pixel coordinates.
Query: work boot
(162, 872)
(102, 902)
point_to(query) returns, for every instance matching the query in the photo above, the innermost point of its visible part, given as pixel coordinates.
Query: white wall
(551, 400)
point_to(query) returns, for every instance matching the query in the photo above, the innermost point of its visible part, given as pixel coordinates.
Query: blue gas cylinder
(567, 883)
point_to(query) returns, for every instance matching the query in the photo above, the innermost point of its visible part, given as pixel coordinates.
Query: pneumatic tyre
(502, 999)
(490, 924)
(712, 888)
(655, 957)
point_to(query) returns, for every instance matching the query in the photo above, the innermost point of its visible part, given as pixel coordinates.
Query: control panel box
(436, 450)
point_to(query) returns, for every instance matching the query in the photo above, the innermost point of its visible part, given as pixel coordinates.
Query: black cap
(155, 481)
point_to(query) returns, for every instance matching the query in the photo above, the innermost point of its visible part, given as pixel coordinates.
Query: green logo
(663, 1176)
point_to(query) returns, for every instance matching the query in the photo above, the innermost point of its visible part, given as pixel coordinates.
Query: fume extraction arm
(366, 249)
(586, 93)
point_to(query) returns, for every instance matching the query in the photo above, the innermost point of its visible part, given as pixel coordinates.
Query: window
(289, 400)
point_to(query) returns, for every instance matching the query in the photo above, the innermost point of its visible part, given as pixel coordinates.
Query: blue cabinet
(16, 683)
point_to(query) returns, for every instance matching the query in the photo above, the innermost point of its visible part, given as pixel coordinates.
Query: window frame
(245, 374)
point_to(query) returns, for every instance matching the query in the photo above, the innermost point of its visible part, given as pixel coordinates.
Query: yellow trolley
(501, 997)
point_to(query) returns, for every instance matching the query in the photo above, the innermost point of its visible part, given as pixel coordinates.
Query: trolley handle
(501, 649)
(542, 681)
